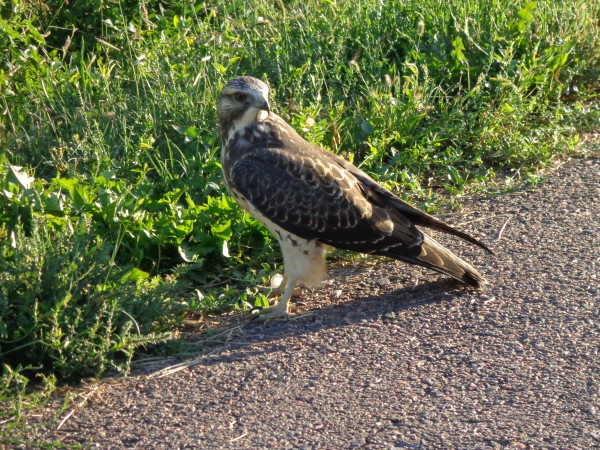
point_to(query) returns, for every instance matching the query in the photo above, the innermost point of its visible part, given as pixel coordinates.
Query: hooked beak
(265, 107)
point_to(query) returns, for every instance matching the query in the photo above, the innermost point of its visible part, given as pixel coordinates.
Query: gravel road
(397, 357)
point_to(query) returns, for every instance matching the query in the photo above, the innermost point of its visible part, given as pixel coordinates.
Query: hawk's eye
(240, 97)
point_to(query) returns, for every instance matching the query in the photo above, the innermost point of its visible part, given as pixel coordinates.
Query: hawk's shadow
(255, 338)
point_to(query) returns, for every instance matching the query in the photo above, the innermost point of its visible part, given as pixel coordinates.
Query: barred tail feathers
(435, 256)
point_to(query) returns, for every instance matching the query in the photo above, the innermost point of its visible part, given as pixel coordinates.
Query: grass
(114, 223)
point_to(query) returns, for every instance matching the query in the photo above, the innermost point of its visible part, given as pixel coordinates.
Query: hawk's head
(243, 100)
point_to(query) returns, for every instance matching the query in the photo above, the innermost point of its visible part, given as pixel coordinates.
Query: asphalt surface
(397, 357)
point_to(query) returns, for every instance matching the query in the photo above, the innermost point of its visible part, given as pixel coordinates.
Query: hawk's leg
(304, 263)
(280, 310)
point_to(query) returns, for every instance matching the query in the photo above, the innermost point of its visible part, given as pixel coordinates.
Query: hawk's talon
(272, 313)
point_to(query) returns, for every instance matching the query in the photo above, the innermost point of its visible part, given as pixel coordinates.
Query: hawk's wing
(399, 206)
(309, 194)
(315, 194)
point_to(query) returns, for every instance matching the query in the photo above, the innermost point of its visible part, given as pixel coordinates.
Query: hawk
(312, 199)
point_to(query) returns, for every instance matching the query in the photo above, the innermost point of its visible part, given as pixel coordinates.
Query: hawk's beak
(265, 107)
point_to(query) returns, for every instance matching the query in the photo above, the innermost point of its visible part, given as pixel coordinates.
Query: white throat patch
(262, 115)
(251, 116)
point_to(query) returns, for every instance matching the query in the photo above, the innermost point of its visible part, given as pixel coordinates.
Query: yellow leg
(280, 310)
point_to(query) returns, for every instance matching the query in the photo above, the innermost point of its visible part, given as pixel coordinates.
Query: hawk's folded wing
(314, 197)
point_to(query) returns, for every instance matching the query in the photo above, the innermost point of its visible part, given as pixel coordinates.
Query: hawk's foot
(277, 312)
(280, 310)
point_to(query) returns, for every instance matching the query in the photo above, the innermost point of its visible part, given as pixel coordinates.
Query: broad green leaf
(220, 68)
(135, 274)
(67, 183)
(80, 196)
(222, 230)
(54, 203)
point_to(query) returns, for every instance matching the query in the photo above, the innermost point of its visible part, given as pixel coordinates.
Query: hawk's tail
(435, 256)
